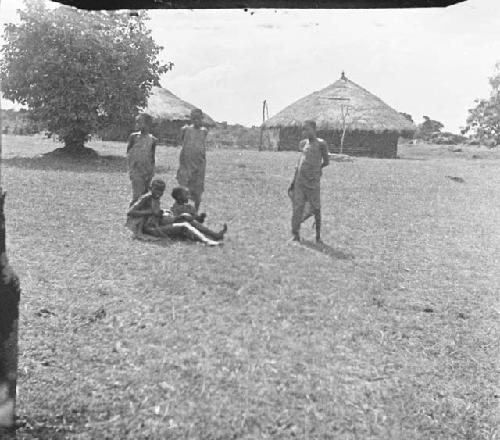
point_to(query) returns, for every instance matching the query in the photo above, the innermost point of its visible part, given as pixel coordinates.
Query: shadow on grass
(164, 242)
(327, 250)
(57, 428)
(413, 158)
(168, 242)
(100, 164)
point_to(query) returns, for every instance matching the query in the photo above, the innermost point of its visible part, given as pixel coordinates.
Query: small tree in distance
(78, 71)
(407, 134)
(429, 128)
(483, 122)
(407, 116)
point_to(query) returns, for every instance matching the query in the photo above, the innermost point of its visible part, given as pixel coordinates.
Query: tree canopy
(78, 71)
(483, 122)
(429, 128)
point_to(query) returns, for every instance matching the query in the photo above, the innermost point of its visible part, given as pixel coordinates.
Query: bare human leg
(298, 205)
(317, 221)
(208, 232)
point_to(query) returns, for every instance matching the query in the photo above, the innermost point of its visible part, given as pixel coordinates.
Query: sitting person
(149, 222)
(182, 206)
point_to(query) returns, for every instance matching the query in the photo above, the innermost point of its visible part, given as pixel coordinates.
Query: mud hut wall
(168, 132)
(363, 143)
(356, 143)
(289, 138)
(271, 139)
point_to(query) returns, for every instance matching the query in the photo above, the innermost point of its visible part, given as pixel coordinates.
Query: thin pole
(345, 113)
(264, 108)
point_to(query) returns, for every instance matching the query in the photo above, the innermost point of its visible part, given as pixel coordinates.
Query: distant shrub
(447, 138)
(427, 129)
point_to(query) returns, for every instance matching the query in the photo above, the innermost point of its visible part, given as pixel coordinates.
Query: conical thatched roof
(366, 112)
(163, 104)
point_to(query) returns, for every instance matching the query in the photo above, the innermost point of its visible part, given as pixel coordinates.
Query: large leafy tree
(78, 71)
(483, 122)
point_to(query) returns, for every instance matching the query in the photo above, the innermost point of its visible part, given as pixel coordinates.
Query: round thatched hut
(370, 126)
(170, 114)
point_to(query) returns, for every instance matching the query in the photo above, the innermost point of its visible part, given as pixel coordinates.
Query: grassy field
(389, 331)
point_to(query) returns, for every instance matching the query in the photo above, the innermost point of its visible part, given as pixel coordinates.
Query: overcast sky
(431, 62)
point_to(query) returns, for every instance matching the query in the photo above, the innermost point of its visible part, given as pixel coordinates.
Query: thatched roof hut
(372, 127)
(170, 114)
(163, 104)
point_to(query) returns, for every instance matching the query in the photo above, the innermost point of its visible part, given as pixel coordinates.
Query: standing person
(141, 151)
(192, 160)
(305, 187)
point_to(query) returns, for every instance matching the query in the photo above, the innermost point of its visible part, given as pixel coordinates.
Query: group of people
(148, 221)
(145, 217)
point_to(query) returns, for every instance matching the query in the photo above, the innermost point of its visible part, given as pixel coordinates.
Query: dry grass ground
(390, 331)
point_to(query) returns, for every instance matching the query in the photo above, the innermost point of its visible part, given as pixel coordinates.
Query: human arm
(153, 151)
(185, 217)
(301, 148)
(201, 217)
(181, 136)
(141, 212)
(130, 142)
(144, 208)
(324, 155)
(292, 184)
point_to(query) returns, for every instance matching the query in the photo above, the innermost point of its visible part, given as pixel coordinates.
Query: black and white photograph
(255, 221)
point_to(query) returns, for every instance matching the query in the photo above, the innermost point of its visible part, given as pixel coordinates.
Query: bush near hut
(447, 138)
(234, 136)
(19, 122)
(407, 134)
(428, 128)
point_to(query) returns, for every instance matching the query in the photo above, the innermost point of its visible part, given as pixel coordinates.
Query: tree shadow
(328, 250)
(99, 164)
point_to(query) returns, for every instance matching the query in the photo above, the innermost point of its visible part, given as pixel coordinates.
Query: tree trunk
(10, 293)
(74, 145)
(74, 142)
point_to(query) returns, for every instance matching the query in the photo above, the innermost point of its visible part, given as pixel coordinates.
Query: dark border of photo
(257, 4)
